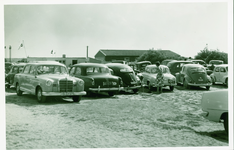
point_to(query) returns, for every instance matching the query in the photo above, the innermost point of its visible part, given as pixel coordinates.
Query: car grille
(65, 85)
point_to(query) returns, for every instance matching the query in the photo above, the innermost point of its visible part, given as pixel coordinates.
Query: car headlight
(49, 83)
(81, 82)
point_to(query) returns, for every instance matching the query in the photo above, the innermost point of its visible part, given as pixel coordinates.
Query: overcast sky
(184, 28)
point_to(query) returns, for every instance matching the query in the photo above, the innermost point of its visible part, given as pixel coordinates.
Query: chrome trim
(204, 84)
(106, 89)
(61, 93)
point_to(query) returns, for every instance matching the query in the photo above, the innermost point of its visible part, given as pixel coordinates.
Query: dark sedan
(193, 75)
(97, 78)
(130, 80)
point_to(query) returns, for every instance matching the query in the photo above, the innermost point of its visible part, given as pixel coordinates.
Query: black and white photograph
(114, 74)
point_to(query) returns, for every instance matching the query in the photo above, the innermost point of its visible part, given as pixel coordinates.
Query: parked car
(193, 75)
(17, 68)
(8, 66)
(130, 80)
(140, 67)
(97, 78)
(216, 62)
(166, 61)
(215, 106)
(45, 79)
(150, 74)
(198, 61)
(176, 66)
(220, 74)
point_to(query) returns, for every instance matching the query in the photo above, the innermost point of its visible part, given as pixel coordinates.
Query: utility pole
(10, 52)
(87, 54)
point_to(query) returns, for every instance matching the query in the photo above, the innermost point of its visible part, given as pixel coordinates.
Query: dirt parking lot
(170, 119)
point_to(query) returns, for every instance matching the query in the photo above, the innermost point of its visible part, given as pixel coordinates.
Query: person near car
(212, 66)
(159, 78)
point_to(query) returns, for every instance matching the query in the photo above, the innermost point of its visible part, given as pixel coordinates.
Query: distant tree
(216, 55)
(203, 54)
(152, 56)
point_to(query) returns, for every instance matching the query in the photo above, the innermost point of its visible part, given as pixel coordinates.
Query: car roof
(118, 65)
(179, 61)
(90, 65)
(198, 60)
(222, 65)
(20, 64)
(193, 65)
(45, 63)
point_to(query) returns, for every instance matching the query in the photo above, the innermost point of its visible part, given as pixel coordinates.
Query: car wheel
(171, 88)
(185, 84)
(111, 93)
(76, 98)
(18, 91)
(40, 97)
(226, 82)
(135, 90)
(225, 123)
(207, 87)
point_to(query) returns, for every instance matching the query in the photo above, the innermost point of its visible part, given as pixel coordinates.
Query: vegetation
(208, 55)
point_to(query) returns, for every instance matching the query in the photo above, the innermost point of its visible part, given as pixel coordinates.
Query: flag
(21, 45)
(52, 52)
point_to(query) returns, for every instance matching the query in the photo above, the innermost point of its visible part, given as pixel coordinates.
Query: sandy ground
(103, 122)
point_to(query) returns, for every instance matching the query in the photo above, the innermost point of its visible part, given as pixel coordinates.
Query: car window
(72, 71)
(217, 69)
(165, 70)
(154, 70)
(51, 69)
(26, 70)
(222, 70)
(78, 71)
(15, 69)
(197, 69)
(32, 69)
(97, 70)
(147, 70)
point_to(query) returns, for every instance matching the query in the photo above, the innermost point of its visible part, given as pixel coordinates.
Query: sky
(184, 28)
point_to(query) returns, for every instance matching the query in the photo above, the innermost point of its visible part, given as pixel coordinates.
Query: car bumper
(99, 89)
(132, 87)
(168, 84)
(63, 93)
(204, 84)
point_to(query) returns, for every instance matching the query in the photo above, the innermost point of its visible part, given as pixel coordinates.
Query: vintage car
(8, 66)
(45, 79)
(215, 106)
(17, 68)
(130, 80)
(220, 74)
(216, 62)
(166, 61)
(176, 66)
(150, 74)
(140, 67)
(97, 78)
(198, 61)
(193, 75)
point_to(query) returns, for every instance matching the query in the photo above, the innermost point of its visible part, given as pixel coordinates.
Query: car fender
(224, 79)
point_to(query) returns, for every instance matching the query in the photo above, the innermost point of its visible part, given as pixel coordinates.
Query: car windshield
(97, 70)
(51, 69)
(197, 69)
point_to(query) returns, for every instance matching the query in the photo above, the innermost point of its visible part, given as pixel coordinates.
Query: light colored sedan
(150, 74)
(220, 74)
(215, 106)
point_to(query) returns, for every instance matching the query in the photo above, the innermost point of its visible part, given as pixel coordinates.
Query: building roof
(115, 52)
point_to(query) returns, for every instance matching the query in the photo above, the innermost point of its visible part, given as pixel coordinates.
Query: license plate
(67, 93)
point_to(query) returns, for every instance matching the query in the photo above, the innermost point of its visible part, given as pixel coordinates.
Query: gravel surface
(170, 119)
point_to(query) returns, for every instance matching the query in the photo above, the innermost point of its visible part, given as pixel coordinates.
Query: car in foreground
(97, 78)
(45, 79)
(150, 74)
(193, 75)
(220, 74)
(17, 68)
(215, 106)
(176, 66)
(130, 80)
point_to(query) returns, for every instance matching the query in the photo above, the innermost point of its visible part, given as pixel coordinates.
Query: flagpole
(25, 49)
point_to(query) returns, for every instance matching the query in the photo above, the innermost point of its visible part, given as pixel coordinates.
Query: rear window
(197, 69)
(97, 70)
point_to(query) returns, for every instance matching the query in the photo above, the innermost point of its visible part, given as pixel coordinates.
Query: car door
(182, 74)
(222, 74)
(32, 80)
(217, 74)
(24, 78)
